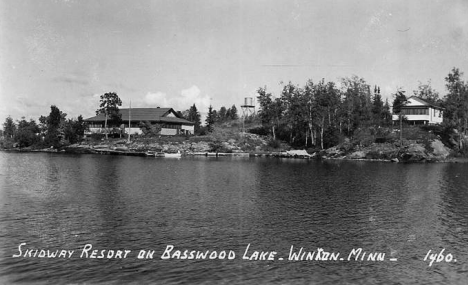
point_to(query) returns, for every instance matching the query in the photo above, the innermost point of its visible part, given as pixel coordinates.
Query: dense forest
(51, 131)
(319, 114)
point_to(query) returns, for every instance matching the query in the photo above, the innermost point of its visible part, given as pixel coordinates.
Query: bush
(331, 137)
(274, 143)
(26, 139)
(6, 143)
(97, 136)
(203, 131)
(261, 131)
(367, 142)
(216, 146)
(149, 129)
(196, 139)
(445, 132)
(381, 140)
(432, 128)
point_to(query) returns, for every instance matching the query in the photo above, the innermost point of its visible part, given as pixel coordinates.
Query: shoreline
(279, 154)
(103, 151)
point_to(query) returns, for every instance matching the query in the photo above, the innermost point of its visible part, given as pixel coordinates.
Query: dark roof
(423, 103)
(145, 114)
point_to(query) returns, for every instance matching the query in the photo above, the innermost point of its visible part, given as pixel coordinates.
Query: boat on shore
(176, 155)
(167, 154)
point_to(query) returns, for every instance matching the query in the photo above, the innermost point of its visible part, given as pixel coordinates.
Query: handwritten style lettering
(170, 253)
(87, 252)
(42, 253)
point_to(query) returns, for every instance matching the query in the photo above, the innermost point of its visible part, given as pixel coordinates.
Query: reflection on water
(52, 201)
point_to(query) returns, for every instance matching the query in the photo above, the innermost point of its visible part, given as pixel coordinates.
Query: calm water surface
(57, 201)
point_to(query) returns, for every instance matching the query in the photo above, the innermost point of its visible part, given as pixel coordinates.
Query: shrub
(97, 136)
(6, 143)
(216, 146)
(274, 143)
(203, 131)
(261, 131)
(200, 139)
(331, 137)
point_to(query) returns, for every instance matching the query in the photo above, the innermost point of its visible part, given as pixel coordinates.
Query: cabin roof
(145, 114)
(421, 103)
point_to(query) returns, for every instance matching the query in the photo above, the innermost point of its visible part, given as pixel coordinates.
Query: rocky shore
(231, 147)
(435, 151)
(254, 145)
(409, 151)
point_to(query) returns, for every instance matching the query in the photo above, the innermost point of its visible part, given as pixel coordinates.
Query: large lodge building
(171, 122)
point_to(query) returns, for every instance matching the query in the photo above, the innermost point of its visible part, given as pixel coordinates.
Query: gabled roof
(419, 100)
(421, 103)
(145, 114)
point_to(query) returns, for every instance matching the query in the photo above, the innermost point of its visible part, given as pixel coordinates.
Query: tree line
(222, 115)
(55, 129)
(50, 131)
(319, 114)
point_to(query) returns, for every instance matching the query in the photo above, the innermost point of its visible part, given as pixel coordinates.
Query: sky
(176, 53)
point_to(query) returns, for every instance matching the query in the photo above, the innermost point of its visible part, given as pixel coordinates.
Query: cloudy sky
(174, 53)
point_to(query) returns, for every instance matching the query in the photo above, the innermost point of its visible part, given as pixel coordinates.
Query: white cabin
(418, 111)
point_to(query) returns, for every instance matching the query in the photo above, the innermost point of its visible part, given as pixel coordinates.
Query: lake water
(120, 204)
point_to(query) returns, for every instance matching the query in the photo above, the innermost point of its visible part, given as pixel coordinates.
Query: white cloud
(192, 96)
(158, 99)
(187, 98)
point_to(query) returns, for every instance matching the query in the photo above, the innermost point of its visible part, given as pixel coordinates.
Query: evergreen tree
(215, 116)
(53, 125)
(398, 103)
(378, 108)
(233, 113)
(387, 115)
(222, 114)
(9, 128)
(210, 119)
(194, 116)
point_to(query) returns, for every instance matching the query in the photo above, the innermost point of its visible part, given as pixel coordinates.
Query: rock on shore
(247, 143)
(411, 152)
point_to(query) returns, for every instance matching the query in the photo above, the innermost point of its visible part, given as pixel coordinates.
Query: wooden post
(105, 124)
(129, 120)
(401, 129)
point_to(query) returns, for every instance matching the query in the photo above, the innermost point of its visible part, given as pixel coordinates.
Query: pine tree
(9, 128)
(210, 119)
(233, 113)
(194, 116)
(398, 103)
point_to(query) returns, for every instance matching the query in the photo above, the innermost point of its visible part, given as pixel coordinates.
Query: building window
(415, 111)
(171, 126)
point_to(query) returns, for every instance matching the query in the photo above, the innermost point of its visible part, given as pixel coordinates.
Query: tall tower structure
(248, 109)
